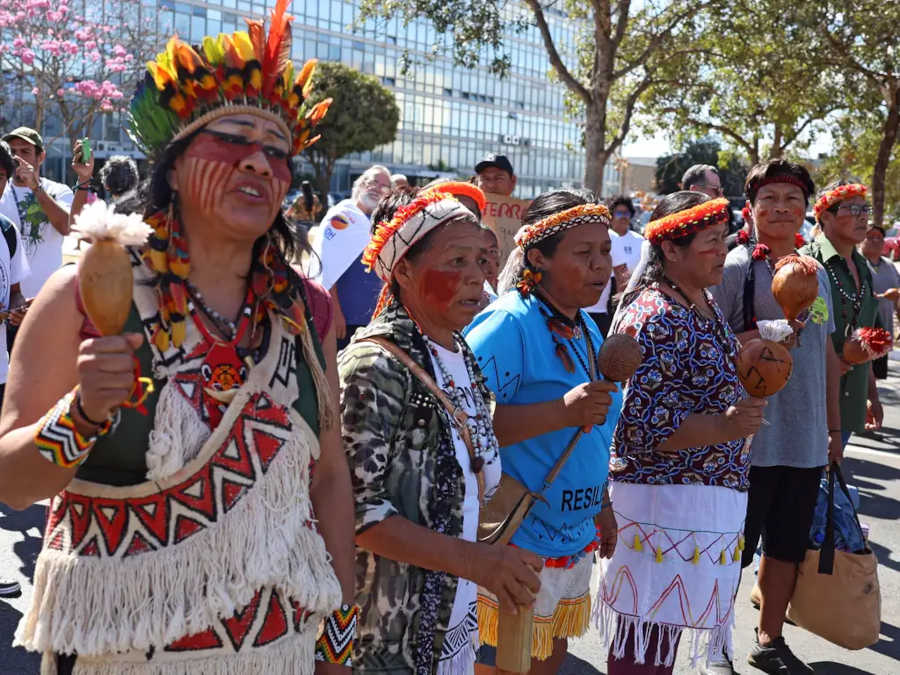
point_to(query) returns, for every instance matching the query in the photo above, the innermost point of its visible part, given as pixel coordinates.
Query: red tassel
(563, 355)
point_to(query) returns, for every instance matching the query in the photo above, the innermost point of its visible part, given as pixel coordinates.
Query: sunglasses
(856, 209)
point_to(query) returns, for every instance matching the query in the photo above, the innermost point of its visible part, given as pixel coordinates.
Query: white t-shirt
(603, 303)
(627, 249)
(466, 590)
(42, 242)
(12, 271)
(340, 240)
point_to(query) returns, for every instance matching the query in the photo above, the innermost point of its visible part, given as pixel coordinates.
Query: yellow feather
(638, 546)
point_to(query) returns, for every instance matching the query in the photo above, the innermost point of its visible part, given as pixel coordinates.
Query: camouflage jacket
(402, 462)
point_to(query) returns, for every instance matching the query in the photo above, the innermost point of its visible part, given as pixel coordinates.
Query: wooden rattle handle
(514, 640)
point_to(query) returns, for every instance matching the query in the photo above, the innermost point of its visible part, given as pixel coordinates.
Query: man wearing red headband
(787, 456)
(842, 213)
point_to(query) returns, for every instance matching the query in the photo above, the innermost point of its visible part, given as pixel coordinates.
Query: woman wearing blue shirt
(537, 349)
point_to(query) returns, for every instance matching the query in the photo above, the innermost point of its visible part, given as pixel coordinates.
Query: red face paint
(440, 287)
(213, 146)
(206, 180)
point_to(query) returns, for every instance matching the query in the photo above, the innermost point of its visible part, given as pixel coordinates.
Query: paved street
(873, 461)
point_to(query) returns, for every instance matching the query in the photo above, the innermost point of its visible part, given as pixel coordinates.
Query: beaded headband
(460, 189)
(529, 235)
(246, 72)
(410, 223)
(839, 194)
(689, 221)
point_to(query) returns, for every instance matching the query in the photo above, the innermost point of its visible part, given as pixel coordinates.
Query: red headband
(839, 194)
(684, 223)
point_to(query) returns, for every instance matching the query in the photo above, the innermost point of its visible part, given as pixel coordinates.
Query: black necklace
(562, 328)
(854, 300)
(718, 328)
(226, 327)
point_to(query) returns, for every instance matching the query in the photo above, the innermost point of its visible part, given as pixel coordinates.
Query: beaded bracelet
(58, 439)
(335, 644)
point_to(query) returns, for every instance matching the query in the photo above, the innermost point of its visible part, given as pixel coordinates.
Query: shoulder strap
(457, 416)
(747, 308)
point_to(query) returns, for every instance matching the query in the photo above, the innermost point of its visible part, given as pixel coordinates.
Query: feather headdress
(246, 72)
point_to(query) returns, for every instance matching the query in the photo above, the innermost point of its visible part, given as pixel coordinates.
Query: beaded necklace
(562, 328)
(480, 424)
(854, 300)
(718, 328)
(226, 327)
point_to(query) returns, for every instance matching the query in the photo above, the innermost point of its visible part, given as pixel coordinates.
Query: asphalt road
(873, 460)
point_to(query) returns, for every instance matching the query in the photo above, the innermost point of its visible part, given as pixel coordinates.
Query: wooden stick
(514, 640)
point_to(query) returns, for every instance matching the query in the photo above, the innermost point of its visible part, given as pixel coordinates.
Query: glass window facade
(449, 116)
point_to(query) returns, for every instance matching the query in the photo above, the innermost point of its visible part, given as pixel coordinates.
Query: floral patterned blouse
(689, 367)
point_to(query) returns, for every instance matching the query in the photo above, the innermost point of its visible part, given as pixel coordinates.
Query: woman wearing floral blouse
(680, 460)
(418, 484)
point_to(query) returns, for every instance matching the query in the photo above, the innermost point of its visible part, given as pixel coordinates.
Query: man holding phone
(41, 209)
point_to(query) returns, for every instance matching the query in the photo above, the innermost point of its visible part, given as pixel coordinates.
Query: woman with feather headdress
(200, 517)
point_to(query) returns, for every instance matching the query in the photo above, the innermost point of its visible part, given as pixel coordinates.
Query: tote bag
(837, 595)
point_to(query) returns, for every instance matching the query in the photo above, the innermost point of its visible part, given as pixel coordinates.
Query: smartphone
(307, 195)
(85, 150)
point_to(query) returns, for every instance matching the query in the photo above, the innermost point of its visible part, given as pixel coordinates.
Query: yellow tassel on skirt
(570, 619)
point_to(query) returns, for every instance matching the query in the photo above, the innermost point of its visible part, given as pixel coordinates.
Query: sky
(658, 145)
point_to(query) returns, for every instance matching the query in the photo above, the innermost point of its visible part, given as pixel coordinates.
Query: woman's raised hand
(508, 572)
(106, 373)
(588, 403)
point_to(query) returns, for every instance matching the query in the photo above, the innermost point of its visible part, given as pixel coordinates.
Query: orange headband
(839, 194)
(689, 221)
(460, 189)
(529, 235)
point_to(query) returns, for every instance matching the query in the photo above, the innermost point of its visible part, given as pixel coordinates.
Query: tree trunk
(888, 138)
(596, 153)
(776, 151)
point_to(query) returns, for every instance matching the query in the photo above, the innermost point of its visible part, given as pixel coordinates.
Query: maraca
(795, 284)
(865, 344)
(104, 271)
(619, 357)
(764, 367)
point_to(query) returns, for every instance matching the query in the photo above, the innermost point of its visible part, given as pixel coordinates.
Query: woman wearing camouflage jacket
(417, 486)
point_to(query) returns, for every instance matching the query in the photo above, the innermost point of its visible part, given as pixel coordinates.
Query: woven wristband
(57, 438)
(335, 644)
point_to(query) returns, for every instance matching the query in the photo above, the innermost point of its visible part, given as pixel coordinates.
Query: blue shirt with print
(517, 354)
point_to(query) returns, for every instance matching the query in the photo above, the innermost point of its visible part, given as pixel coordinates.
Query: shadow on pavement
(35, 516)
(575, 666)
(832, 668)
(889, 644)
(14, 660)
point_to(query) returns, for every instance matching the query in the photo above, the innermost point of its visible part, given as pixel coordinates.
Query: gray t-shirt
(797, 434)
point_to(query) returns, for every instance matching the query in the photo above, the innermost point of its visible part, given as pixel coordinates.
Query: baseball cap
(500, 161)
(26, 134)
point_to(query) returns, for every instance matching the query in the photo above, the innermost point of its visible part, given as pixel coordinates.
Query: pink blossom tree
(73, 59)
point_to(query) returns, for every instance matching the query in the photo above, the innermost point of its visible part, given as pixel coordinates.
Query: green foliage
(670, 168)
(362, 116)
(758, 82)
(621, 50)
(857, 141)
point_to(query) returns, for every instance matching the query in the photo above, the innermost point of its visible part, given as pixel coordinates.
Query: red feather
(563, 355)
(278, 47)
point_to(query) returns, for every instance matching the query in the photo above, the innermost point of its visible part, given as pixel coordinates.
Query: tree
(362, 116)
(670, 168)
(757, 82)
(623, 49)
(860, 39)
(857, 143)
(72, 59)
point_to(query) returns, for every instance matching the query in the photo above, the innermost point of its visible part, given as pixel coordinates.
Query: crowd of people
(280, 463)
